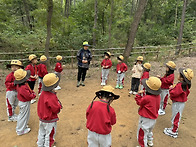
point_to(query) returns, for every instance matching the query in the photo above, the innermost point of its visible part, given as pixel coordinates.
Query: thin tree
(178, 48)
(49, 21)
(133, 28)
(95, 23)
(26, 7)
(110, 24)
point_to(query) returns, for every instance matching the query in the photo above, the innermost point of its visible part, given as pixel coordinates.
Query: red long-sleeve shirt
(177, 94)
(106, 62)
(58, 67)
(33, 69)
(122, 67)
(48, 107)
(99, 120)
(167, 81)
(145, 75)
(9, 82)
(42, 70)
(149, 105)
(25, 94)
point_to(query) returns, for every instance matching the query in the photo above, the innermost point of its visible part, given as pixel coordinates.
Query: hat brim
(181, 71)
(154, 92)
(86, 45)
(145, 68)
(170, 67)
(140, 60)
(119, 59)
(33, 59)
(99, 93)
(9, 65)
(105, 53)
(24, 79)
(53, 86)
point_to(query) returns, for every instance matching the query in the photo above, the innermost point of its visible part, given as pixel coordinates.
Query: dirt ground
(71, 130)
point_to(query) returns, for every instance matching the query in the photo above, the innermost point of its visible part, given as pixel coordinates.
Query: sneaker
(78, 84)
(39, 94)
(121, 87)
(161, 112)
(134, 93)
(12, 118)
(27, 130)
(169, 132)
(150, 143)
(57, 88)
(130, 92)
(117, 86)
(82, 83)
(104, 84)
(33, 101)
(101, 84)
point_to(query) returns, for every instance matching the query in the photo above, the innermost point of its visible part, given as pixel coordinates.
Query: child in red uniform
(11, 93)
(25, 95)
(148, 111)
(42, 71)
(167, 80)
(47, 109)
(145, 75)
(106, 64)
(121, 68)
(33, 68)
(178, 95)
(100, 118)
(58, 68)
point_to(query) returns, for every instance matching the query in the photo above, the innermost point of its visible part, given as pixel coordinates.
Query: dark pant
(135, 82)
(82, 73)
(31, 84)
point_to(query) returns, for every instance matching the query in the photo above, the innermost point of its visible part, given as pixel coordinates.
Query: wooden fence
(152, 52)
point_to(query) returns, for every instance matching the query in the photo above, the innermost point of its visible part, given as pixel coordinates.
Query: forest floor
(71, 128)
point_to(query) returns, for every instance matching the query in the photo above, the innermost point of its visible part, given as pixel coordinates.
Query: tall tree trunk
(67, 7)
(178, 48)
(49, 21)
(110, 24)
(27, 14)
(133, 28)
(176, 14)
(62, 7)
(95, 23)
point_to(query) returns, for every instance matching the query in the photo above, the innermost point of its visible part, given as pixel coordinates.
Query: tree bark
(27, 14)
(110, 24)
(49, 22)
(67, 7)
(133, 28)
(178, 48)
(95, 23)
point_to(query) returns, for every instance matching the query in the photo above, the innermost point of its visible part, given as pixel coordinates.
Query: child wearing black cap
(178, 95)
(100, 118)
(148, 111)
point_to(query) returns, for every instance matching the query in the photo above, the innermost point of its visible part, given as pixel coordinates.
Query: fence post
(93, 52)
(72, 54)
(158, 49)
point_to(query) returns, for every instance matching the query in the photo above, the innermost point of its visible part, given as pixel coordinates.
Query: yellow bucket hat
(152, 85)
(121, 58)
(85, 43)
(108, 54)
(32, 56)
(171, 65)
(140, 58)
(21, 76)
(147, 66)
(43, 58)
(187, 74)
(51, 81)
(59, 58)
(15, 62)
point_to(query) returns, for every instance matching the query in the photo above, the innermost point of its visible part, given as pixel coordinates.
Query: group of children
(20, 85)
(152, 99)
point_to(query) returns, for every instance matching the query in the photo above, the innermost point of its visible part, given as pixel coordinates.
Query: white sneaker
(39, 94)
(101, 84)
(150, 143)
(130, 92)
(33, 101)
(57, 88)
(12, 118)
(27, 130)
(104, 84)
(134, 93)
(169, 132)
(161, 112)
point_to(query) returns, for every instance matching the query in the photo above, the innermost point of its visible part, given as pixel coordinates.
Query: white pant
(177, 109)
(104, 75)
(98, 140)
(40, 85)
(144, 132)
(164, 97)
(23, 116)
(120, 78)
(11, 102)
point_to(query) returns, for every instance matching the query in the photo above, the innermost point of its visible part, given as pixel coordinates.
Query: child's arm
(138, 99)
(27, 93)
(168, 80)
(139, 67)
(113, 118)
(54, 105)
(125, 68)
(176, 91)
(133, 69)
(8, 82)
(102, 63)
